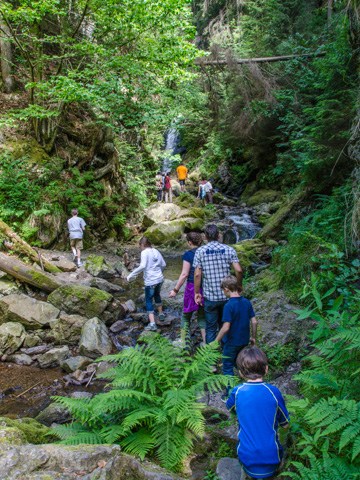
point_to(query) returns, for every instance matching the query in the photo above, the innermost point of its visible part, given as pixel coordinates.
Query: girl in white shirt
(153, 265)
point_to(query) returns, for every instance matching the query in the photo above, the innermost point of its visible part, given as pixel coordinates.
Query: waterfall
(171, 146)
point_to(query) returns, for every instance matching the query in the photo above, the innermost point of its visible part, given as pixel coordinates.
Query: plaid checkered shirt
(215, 261)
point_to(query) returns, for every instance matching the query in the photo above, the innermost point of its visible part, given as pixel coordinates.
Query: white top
(207, 187)
(152, 264)
(75, 226)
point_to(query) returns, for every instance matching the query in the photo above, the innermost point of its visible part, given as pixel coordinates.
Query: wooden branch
(26, 274)
(19, 246)
(242, 61)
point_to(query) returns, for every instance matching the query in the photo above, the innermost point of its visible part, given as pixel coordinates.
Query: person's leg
(149, 295)
(209, 197)
(159, 195)
(158, 301)
(202, 323)
(170, 195)
(230, 353)
(166, 196)
(73, 249)
(79, 246)
(211, 319)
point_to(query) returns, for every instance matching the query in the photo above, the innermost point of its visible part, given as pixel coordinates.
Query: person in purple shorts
(194, 241)
(260, 409)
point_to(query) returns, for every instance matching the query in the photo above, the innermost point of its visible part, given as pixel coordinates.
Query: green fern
(152, 407)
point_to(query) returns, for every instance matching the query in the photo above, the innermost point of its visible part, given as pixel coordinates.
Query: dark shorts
(182, 182)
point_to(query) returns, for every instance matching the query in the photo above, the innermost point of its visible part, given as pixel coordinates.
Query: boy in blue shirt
(260, 409)
(238, 314)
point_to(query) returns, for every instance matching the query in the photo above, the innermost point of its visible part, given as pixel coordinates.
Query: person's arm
(230, 403)
(253, 331)
(183, 276)
(224, 329)
(238, 272)
(177, 174)
(140, 268)
(197, 285)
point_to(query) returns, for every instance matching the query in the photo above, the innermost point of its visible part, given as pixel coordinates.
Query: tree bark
(19, 246)
(6, 59)
(22, 272)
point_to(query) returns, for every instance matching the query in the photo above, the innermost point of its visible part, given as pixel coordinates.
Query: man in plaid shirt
(212, 263)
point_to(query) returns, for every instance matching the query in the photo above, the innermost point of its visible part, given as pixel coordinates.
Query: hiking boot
(161, 317)
(79, 264)
(224, 398)
(151, 327)
(202, 344)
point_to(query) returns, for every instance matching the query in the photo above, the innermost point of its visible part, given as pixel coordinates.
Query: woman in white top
(153, 265)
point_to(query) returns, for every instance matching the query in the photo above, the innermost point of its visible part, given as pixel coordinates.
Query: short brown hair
(145, 242)
(194, 238)
(74, 211)
(231, 283)
(252, 363)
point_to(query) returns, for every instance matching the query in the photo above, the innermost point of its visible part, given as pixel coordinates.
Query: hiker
(168, 188)
(163, 176)
(181, 173)
(153, 265)
(238, 317)
(76, 226)
(159, 186)
(212, 263)
(194, 241)
(208, 192)
(260, 409)
(201, 190)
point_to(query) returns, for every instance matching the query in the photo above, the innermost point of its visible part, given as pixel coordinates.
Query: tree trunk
(19, 246)
(6, 59)
(22, 272)
(330, 4)
(241, 61)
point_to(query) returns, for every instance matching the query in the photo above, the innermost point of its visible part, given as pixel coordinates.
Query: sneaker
(213, 369)
(151, 327)
(161, 317)
(224, 398)
(202, 344)
(178, 343)
(79, 264)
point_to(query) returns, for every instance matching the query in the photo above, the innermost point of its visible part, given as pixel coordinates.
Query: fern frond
(139, 443)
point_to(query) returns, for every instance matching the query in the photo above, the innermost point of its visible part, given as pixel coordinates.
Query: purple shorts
(189, 300)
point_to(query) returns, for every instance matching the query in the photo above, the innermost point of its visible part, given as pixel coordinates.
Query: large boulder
(63, 462)
(230, 469)
(12, 336)
(80, 300)
(97, 267)
(54, 357)
(66, 329)
(53, 413)
(160, 212)
(106, 286)
(194, 224)
(166, 232)
(95, 340)
(263, 196)
(31, 313)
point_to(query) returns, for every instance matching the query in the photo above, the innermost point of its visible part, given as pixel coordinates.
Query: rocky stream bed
(48, 344)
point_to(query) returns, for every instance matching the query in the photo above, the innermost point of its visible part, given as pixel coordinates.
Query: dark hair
(231, 283)
(145, 242)
(203, 177)
(74, 211)
(212, 233)
(194, 238)
(252, 363)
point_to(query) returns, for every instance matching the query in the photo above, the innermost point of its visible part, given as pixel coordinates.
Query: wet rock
(28, 311)
(12, 336)
(7, 287)
(66, 329)
(80, 300)
(229, 469)
(122, 341)
(129, 306)
(98, 267)
(106, 286)
(53, 357)
(62, 462)
(169, 319)
(119, 326)
(144, 335)
(53, 413)
(95, 340)
(140, 317)
(21, 359)
(75, 363)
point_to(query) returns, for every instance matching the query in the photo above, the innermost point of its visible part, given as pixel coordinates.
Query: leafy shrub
(152, 406)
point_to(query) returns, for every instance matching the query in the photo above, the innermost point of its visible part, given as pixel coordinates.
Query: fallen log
(241, 61)
(19, 246)
(22, 272)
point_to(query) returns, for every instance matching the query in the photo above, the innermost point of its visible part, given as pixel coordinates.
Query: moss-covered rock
(79, 300)
(188, 201)
(249, 191)
(97, 266)
(66, 329)
(194, 224)
(248, 252)
(29, 149)
(166, 232)
(11, 435)
(12, 336)
(28, 311)
(7, 287)
(263, 196)
(30, 430)
(196, 212)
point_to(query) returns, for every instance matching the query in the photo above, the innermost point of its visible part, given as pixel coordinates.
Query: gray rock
(140, 317)
(129, 306)
(160, 212)
(106, 286)
(62, 462)
(7, 287)
(121, 269)
(229, 469)
(66, 329)
(98, 267)
(119, 326)
(21, 359)
(36, 350)
(12, 336)
(81, 395)
(75, 363)
(53, 357)
(28, 311)
(95, 340)
(31, 340)
(53, 413)
(64, 264)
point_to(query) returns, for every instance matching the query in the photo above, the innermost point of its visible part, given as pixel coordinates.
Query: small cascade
(172, 140)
